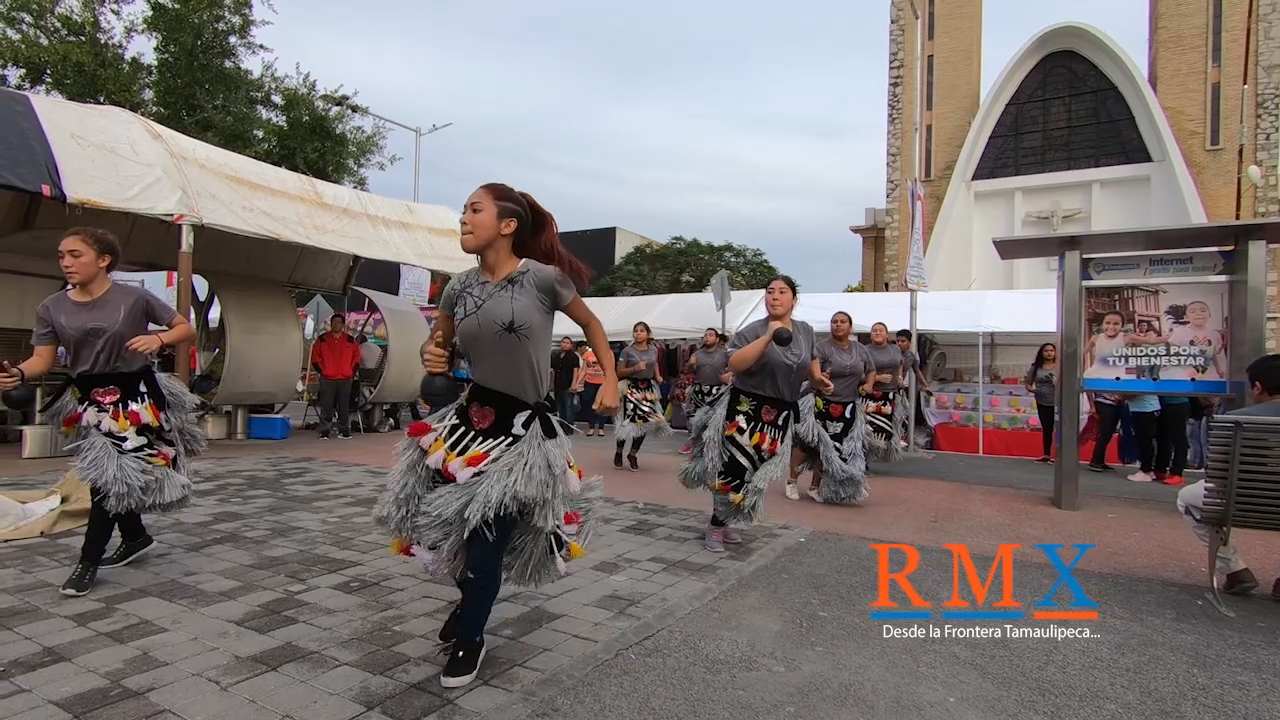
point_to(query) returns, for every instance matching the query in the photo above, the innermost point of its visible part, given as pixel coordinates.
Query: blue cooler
(269, 427)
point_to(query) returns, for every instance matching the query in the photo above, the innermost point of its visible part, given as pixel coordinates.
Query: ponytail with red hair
(537, 236)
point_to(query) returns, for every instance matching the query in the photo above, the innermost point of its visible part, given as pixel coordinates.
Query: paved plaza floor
(274, 595)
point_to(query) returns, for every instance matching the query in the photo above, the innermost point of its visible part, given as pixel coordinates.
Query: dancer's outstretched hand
(436, 359)
(606, 399)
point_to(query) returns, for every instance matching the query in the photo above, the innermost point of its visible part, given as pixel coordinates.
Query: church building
(1073, 137)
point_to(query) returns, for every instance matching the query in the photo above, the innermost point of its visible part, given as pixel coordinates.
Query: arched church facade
(1070, 138)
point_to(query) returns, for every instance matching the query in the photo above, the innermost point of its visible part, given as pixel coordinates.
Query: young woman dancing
(640, 414)
(831, 434)
(1042, 382)
(710, 367)
(488, 484)
(131, 428)
(742, 443)
(886, 416)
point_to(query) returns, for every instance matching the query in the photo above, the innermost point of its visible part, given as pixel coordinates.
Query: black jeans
(1171, 439)
(481, 577)
(335, 394)
(102, 525)
(1146, 425)
(1046, 427)
(1108, 420)
(635, 445)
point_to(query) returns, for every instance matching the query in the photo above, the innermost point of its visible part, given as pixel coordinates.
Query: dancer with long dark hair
(710, 367)
(132, 428)
(886, 413)
(742, 443)
(831, 434)
(640, 412)
(489, 484)
(1042, 382)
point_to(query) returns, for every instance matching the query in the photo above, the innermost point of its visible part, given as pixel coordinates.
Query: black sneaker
(344, 435)
(127, 553)
(449, 631)
(617, 460)
(1240, 582)
(81, 580)
(1098, 468)
(324, 435)
(631, 460)
(463, 663)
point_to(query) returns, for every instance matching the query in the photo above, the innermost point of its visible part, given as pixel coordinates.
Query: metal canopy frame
(1248, 239)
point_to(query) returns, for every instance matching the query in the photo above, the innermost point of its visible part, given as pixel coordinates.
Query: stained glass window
(1066, 115)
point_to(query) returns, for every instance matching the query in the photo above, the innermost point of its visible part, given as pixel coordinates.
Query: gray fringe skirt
(487, 455)
(640, 412)
(886, 413)
(700, 396)
(835, 434)
(741, 444)
(133, 434)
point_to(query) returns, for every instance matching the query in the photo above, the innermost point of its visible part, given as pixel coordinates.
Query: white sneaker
(793, 492)
(814, 496)
(1142, 477)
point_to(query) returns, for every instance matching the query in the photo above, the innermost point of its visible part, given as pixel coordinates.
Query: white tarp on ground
(112, 159)
(687, 315)
(671, 317)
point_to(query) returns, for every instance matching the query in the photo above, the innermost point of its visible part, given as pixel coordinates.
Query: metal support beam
(186, 246)
(1066, 472)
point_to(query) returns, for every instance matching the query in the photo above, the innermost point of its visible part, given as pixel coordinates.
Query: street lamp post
(344, 101)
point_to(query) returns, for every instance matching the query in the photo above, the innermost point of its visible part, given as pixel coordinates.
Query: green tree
(860, 287)
(683, 265)
(205, 75)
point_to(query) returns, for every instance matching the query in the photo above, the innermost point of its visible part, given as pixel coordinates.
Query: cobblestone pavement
(274, 595)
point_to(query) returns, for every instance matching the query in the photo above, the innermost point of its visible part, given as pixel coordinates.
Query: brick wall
(957, 51)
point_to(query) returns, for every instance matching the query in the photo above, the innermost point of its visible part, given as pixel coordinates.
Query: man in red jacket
(335, 355)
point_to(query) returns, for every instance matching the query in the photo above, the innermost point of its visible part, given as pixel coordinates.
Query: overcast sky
(750, 122)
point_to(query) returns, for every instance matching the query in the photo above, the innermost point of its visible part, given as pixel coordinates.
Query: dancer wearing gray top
(710, 367)
(886, 414)
(743, 442)
(640, 411)
(831, 433)
(487, 486)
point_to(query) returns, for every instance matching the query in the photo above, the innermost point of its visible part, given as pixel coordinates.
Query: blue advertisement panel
(1163, 339)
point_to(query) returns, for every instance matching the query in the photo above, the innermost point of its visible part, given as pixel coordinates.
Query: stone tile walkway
(274, 595)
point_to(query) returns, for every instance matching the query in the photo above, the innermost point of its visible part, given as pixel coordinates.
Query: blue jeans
(565, 406)
(1198, 437)
(481, 577)
(587, 399)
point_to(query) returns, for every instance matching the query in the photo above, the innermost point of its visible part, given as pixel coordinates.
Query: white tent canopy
(111, 159)
(671, 317)
(1016, 311)
(961, 312)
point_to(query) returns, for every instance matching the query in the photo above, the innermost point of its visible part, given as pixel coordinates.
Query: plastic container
(269, 427)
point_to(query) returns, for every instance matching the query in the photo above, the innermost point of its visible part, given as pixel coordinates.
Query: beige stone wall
(1179, 71)
(1267, 81)
(957, 51)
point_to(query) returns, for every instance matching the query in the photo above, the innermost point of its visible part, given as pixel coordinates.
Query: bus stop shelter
(1246, 242)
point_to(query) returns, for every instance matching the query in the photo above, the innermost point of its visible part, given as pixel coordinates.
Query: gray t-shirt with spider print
(504, 328)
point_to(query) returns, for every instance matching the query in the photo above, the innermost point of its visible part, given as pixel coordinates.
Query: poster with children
(1161, 339)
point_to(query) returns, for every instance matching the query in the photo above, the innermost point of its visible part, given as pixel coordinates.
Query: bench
(1242, 483)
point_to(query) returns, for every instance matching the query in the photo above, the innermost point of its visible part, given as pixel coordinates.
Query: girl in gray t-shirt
(132, 428)
(709, 365)
(885, 406)
(640, 412)
(489, 483)
(1042, 382)
(744, 443)
(831, 433)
